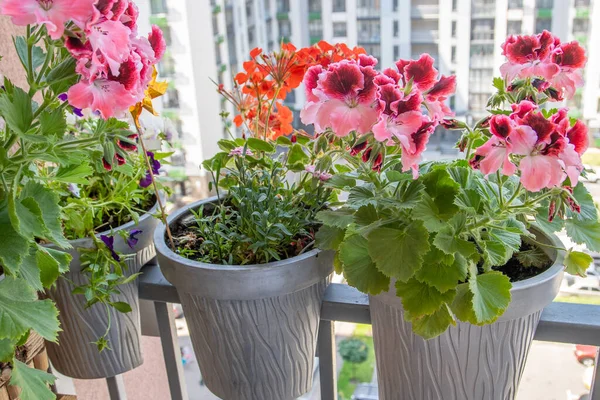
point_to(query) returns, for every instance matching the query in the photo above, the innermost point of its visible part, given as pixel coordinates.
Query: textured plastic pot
(75, 355)
(254, 327)
(467, 362)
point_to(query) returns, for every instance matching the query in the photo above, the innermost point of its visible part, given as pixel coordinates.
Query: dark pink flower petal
(157, 41)
(369, 91)
(570, 55)
(546, 40)
(523, 108)
(542, 127)
(392, 73)
(107, 166)
(412, 102)
(501, 126)
(343, 80)
(445, 87)
(421, 72)
(561, 121)
(388, 94)
(556, 146)
(365, 60)
(311, 79)
(578, 136)
(521, 49)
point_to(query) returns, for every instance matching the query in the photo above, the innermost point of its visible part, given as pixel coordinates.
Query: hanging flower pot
(75, 355)
(253, 327)
(466, 362)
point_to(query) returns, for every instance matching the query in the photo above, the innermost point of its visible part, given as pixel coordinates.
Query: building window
(513, 4)
(369, 31)
(249, 9)
(582, 3)
(546, 4)
(598, 106)
(396, 29)
(514, 27)
(314, 5)
(373, 49)
(285, 29)
(483, 29)
(339, 5)
(452, 102)
(283, 6)
(581, 26)
(251, 37)
(453, 29)
(454, 5)
(396, 52)
(339, 29)
(453, 56)
(543, 24)
(171, 99)
(158, 6)
(395, 5)
(315, 29)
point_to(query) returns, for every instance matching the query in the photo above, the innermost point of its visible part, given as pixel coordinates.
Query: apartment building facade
(212, 38)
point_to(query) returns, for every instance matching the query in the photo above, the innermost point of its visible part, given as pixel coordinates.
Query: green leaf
(359, 269)
(577, 262)
(121, 306)
(491, 295)
(584, 232)
(20, 310)
(51, 264)
(13, 247)
(7, 350)
(329, 237)
(260, 145)
(410, 195)
(339, 218)
(340, 181)
(586, 202)
(33, 382)
(498, 83)
(26, 217)
(399, 253)
(442, 271)
(48, 201)
(495, 253)
(533, 258)
(443, 190)
(296, 155)
(361, 196)
(53, 123)
(74, 174)
(30, 272)
(435, 324)
(426, 210)
(463, 175)
(420, 299)
(63, 76)
(447, 241)
(469, 200)
(17, 112)
(283, 141)
(37, 54)
(462, 306)
(366, 215)
(511, 237)
(541, 220)
(161, 155)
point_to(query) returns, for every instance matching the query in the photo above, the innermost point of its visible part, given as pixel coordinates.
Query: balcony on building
(158, 7)
(483, 9)
(425, 11)
(368, 9)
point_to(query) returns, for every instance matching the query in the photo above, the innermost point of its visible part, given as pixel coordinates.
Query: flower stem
(163, 214)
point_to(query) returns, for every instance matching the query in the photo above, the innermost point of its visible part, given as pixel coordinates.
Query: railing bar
(116, 388)
(327, 361)
(171, 351)
(594, 391)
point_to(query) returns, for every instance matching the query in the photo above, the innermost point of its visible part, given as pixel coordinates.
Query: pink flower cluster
(545, 150)
(544, 56)
(401, 105)
(115, 64)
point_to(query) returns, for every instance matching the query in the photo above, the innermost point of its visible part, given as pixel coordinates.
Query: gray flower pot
(75, 355)
(467, 362)
(253, 327)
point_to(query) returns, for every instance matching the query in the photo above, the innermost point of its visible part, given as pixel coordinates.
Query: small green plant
(353, 351)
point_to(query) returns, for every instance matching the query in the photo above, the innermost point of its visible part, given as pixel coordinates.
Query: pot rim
(162, 247)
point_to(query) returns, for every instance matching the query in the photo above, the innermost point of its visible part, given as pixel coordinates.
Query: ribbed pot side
(253, 328)
(467, 362)
(75, 355)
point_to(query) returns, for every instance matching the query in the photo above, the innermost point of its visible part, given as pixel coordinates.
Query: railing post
(171, 351)
(116, 388)
(595, 387)
(327, 360)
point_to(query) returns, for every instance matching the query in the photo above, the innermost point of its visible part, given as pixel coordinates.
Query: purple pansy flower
(155, 165)
(132, 239)
(109, 241)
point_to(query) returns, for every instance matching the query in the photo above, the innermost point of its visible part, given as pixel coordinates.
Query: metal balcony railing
(424, 36)
(560, 322)
(425, 11)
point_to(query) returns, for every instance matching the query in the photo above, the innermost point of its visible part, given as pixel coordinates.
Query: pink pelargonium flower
(108, 97)
(345, 99)
(528, 56)
(52, 13)
(421, 72)
(570, 58)
(411, 158)
(111, 40)
(157, 41)
(435, 98)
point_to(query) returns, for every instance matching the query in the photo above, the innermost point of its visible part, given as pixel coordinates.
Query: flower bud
(451, 123)
(294, 139)
(540, 84)
(367, 154)
(358, 148)
(551, 211)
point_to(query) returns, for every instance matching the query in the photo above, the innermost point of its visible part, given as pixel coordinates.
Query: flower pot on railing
(253, 327)
(467, 362)
(75, 355)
